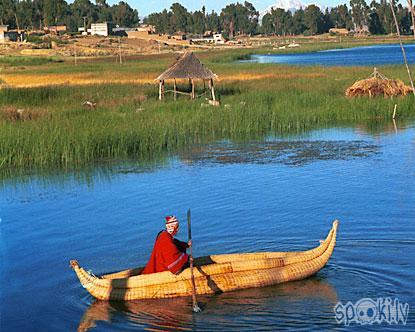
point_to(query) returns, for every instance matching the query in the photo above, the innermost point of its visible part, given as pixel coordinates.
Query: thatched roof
(187, 66)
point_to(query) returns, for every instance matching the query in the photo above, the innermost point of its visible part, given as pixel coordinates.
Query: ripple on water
(253, 309)
(280, 196)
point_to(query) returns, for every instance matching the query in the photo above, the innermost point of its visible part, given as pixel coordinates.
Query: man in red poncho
(168, 252)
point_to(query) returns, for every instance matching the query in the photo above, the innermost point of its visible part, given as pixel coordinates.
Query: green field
(48, 127)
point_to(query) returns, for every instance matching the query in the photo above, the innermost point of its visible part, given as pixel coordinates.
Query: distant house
(339, 31)
(218, 38)
(179, 35)
(7, 35)
(100, 29)
(150, 29)
(122, 31)
(361, 31)
(207, 34)
(209, 38)
(55, 29)
(3, 31)
(143, 31)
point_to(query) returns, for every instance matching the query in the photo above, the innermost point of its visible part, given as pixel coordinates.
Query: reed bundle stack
(378, 85)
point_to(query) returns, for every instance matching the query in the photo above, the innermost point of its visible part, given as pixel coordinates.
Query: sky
(150, 6)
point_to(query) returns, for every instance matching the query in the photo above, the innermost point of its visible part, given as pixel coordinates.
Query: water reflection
(176, 314)
(88, 174)
(376, 129)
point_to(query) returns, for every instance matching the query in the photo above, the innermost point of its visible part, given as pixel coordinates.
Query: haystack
(378, 85)
(187, 66)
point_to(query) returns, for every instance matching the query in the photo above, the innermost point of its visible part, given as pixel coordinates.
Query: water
(276, 194)
(357, 56)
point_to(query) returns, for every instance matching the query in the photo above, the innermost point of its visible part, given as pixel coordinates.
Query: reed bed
(129, 122)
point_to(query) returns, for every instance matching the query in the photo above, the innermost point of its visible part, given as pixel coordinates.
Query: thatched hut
(187, 66)
(378, 85)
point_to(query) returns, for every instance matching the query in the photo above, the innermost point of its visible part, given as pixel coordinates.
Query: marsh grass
(13, 61)
(130, 123)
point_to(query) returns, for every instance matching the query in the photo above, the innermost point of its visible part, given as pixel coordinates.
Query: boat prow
(213, 274)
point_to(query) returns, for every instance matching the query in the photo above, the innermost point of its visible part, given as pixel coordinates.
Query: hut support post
(193, 89)
(212, 89)
(175, 89)
(402, 48)
(161, 90)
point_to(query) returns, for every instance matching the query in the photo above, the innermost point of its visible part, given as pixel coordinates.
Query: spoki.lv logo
(368, 311)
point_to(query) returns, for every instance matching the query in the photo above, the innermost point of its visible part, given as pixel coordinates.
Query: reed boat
(213, 274)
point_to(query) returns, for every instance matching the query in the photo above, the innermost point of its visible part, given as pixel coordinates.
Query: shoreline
(49, 125)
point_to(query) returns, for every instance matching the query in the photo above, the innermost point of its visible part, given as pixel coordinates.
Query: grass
(54, 129)
(14, 61)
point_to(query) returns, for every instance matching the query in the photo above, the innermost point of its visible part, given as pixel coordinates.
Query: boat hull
(213, 274)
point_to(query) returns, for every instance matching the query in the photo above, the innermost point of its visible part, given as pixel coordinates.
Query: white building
(209, 38)
(218, 38)
(99, 29)
(3, 31)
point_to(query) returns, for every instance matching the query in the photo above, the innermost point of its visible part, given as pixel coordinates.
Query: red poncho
(168, 254)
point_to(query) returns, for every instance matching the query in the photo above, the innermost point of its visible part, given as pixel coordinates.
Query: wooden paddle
(196, 308)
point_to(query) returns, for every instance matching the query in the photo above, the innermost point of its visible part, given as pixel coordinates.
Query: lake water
(277, 194)
(356, 56)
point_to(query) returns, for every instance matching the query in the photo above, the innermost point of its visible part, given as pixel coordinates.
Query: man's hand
(189, 243)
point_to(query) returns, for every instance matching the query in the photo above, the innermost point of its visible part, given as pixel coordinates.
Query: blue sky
(149, 6)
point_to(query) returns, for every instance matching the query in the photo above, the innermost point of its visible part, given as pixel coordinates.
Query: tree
(238, 18)
(341, 18)
(299, 26)
(267, 26)
(8, 13)
(161, 21)
(228, 17)
(375, 25)
(404, 19)
(199, 22)
(37, 13)
(313, 20)
(104, 11)
(24, 13)
(327, 22)
(213, 22)
(278, 21)
(54, 12)
(84, 8)
(412, 10)
(180, 19)
(253, 17)
(123, 15)
(359, 10)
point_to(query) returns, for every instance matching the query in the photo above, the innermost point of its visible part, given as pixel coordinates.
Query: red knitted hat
(172, 223)
(171, 219)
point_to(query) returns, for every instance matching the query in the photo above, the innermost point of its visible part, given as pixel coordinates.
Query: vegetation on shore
(234, 19)
(44, 127)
